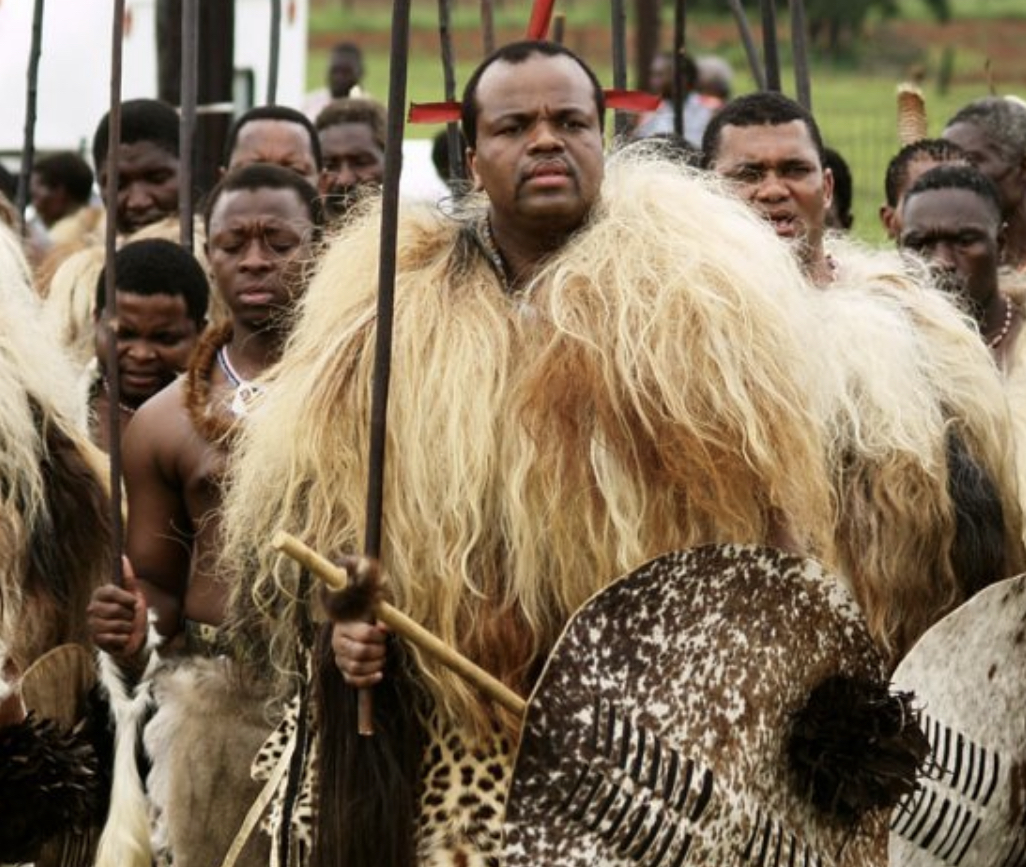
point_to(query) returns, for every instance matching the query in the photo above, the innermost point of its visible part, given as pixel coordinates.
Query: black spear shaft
(275, 53)
(452, 132)
(679, 33)
(28, 150)
(110, 289)
(619, 28)
(751, 52)
(559, 28)
(386, 301)
(769, 45)
(187, 126)
(488, 26)
(800, 50)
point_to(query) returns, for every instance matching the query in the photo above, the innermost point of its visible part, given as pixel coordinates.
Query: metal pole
(110, 288)
(619, 28)
(452, 131)
(748, 41)
(800, 50)
(769, 45)
(187, 127)
(29, 147)
(275, 52)
(679, 31)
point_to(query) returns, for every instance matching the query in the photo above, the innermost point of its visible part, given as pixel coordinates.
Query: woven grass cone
(911, 114)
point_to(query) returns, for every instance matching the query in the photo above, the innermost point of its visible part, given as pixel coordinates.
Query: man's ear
(887, 214)
(470, 157)
(828, 188)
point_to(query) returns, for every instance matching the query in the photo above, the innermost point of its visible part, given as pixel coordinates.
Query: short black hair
(68, 170)
(149, 120)
(348, 48)
(515, 53)
(258, 176)
(8, 184)
(156, 266)
(934, 149)
(958, 176)
(353, 109)
(440, 155)
(1002, 120)
(842, 184)
(759, 109)
(273, 112)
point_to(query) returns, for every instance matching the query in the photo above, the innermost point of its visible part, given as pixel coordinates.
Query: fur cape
(922, 448)
(651, 389)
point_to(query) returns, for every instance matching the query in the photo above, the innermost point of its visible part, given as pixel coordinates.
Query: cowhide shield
(969, 675)
(657, 732)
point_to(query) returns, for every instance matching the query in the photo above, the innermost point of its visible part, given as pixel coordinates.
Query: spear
(488, 26)
(769, 45)
(559, 28)
(452, 132)
(679, 30)
(619, 27)
(800, 50)
(29, 146)
(751, 52)
(275, 52)
(187, 128)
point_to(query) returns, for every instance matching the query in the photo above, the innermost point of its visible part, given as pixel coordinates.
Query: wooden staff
(770, 53)
(337, 579)
(748, 41)
(452, 131)
(559, 28)
(679, 31)
(619, 33)
(800, 50)
(110, 289)
(386, 301)
(275, 53)
(28, 150)
(488, 26)
(187, 126)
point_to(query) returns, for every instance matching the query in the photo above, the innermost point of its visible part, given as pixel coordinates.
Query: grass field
(853, 94)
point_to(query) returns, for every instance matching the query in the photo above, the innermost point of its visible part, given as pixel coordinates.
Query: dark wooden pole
(800, 50)
(770, 53)
(187, 126)
(748, 41)
(619, 34)
(679, 33)
(452, 130)
(110, 289)
(28, 149)
(488, 26)
(274, 55)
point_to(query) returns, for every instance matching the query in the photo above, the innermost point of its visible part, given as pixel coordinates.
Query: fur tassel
(125, 841)
(49, 784)
(856, 746)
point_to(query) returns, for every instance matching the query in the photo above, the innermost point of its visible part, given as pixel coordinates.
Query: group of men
(597, 359)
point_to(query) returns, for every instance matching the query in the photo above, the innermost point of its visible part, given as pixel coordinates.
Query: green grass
(853, 97)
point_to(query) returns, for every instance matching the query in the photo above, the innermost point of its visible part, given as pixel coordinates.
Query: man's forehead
(954, 206)
(766, 142)
(270, 203)
(505, 85)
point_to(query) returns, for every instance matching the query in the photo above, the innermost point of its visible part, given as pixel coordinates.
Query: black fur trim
(49, 784)
(856, 746)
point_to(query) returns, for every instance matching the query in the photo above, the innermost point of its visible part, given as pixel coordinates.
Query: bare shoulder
(161, 429)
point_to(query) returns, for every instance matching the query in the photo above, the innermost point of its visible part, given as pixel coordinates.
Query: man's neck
(818, 267)
(524, 251)
(253, 350)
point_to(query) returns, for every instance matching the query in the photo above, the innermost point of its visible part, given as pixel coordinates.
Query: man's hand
(117, 616)
(360, 651)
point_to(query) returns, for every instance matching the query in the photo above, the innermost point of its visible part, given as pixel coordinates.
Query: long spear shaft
(488, 26)
(110, 289)
(386, 300)
(751, 52)
(619, 28)
(275, 53)
(452, 132)
(769, 45)
(800, 50)
(187, 127)
(28, 150)
(679, 32)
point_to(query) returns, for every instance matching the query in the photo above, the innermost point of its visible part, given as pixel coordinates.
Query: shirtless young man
(262, 223)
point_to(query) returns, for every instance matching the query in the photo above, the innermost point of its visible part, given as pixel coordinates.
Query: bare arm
(160, 533)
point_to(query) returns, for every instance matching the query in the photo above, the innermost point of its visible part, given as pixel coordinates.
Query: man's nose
(545, 136)
(771, 188)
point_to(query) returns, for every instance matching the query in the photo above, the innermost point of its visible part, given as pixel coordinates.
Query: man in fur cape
(586, 374)
(54, 548)
(920, 432)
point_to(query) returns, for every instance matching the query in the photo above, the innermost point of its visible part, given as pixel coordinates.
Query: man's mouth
(548, 174)
(784, 224)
